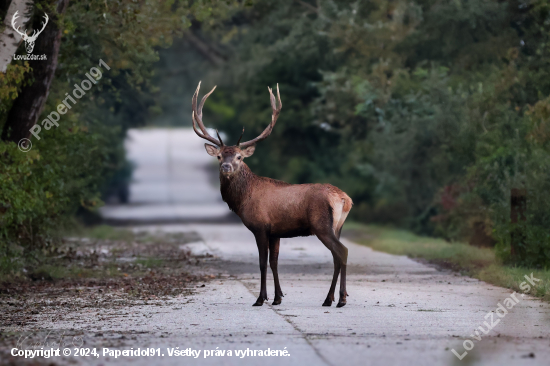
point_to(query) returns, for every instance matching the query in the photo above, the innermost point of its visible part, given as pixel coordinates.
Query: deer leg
(330, 296)
(263, 247)
(340, 255)
(339, 232)
(343, 254)
(273, 260)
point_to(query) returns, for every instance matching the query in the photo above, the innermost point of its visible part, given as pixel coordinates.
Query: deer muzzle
(226, 168)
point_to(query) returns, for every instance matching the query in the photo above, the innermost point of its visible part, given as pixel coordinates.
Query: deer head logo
(29, 40)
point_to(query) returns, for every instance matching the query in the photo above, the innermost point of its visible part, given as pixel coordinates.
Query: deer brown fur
(272, 209)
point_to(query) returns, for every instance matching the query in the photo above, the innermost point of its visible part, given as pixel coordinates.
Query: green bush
(69, 167)
(42, 188)
(427, 113)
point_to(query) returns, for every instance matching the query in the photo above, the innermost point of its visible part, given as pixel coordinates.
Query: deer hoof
(276, 302)
(327, 302)
(341, 304)
(259, 302)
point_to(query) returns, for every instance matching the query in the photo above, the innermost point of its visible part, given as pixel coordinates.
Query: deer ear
(248, 151)
(212, 150)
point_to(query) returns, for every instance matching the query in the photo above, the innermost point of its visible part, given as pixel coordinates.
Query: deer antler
(22, 34)
(240, 137)
(197, 118)
(34, 34)
(269, 128)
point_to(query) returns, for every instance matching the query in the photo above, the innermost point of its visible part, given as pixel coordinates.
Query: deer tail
(347, 202)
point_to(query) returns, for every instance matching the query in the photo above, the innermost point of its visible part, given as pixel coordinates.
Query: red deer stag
(272, 209)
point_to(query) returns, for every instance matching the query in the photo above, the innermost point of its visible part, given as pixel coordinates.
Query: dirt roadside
(98, 276)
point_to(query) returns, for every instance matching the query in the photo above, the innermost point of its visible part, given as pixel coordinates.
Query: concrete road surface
(173, 180)
(399, 312)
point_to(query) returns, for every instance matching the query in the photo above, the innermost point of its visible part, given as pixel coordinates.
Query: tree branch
(207, 51)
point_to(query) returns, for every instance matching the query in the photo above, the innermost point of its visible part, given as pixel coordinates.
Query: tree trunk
(29, 104)
(9, 38)
(518, 205)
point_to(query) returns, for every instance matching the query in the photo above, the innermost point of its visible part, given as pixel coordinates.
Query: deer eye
(239, 157)
(219, 157)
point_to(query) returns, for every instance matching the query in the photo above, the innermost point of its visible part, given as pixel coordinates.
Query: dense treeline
(428, 113)
(70, 166)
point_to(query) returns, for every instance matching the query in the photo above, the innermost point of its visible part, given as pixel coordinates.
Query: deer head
(29, 40)
(231, 157)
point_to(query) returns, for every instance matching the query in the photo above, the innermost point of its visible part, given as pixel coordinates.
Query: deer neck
(236, 188)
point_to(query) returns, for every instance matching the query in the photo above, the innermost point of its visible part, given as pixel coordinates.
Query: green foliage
(44, 186)
(10, 83)
(428, 113)
(68, 168)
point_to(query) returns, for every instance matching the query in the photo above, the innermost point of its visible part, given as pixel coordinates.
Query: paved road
(399, 312)
(173, 180)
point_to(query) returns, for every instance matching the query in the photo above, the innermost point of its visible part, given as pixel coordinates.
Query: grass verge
(479, 263)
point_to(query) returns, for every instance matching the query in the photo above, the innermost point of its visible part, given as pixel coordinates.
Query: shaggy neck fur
(236, 188)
